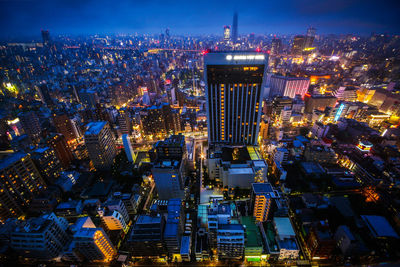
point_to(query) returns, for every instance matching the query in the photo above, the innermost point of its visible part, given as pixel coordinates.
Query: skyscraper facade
(20, 182)
(227, 33)
(100, 143)
(235, 27)
(288, 86)
(234, 89)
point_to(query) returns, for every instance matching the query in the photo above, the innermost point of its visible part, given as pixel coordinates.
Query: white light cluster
(244, 57)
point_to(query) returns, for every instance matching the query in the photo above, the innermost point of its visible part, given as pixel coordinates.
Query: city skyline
(26, 18)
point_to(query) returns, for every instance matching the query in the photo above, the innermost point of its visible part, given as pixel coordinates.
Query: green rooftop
(253, 244)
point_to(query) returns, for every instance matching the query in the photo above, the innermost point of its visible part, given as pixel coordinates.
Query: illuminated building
(146, 97)
(298, 44)
(100, 143)
(253, 244)
(173, 147)
(227, 33)
(321, 154)
(309, 38)
(235, 27)
(319, 102)
(47, 163)
(264, 130)
(118, 205)
(236, 166)
(124, 122)
(320, 241)
(94, 244)
(64, 126)
(43, 237)
(113, 220)
(276, 46)
(230, 241)
(364, 146)
(288, 86)
(31, 124)
(234, 89)
(261, 199)
(159, 120)
(20, 182)
(286, 238)
(60, 146)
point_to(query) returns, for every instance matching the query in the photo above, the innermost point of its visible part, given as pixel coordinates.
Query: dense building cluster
(215, 149)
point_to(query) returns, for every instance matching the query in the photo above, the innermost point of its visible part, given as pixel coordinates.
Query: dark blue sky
(28, 17)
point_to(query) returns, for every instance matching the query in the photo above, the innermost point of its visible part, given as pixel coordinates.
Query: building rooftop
(94, 128)
(235, 155)
(379, 226)
(284, 227)
(262, 188)
(230, 227)
(146, 219)
(253, 236)
(11, 159)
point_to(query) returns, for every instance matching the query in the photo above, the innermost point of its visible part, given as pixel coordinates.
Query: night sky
(28, 17)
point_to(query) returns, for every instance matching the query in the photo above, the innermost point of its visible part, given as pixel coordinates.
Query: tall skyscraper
(227, 33)
(298, 44)
(276, 46)
(64, 125)
(31, 125)
(128, 147)
(234, 90)
(46, 37)
(100, 143)
(20, 182)
(310, 37)
(63, 152)
(235, 27)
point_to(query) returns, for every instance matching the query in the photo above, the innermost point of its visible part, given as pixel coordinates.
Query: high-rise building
(235, 27)
(124, 122)
(298, 44)
(310, 37)
(288, 86)
(43, 237)
(100, 143)
(276, 46)
(227, 33)
(20, 182)
(230, 241)
(94, 244)
(31, 125)
(146, 237)
(47, 163)
(44, 94)
(262, 196)
(64, 125)
(46, 37)
(234, 90)
(62, 149)
(169, 166)
(160, 120)
(173, 227)
(128, 147)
